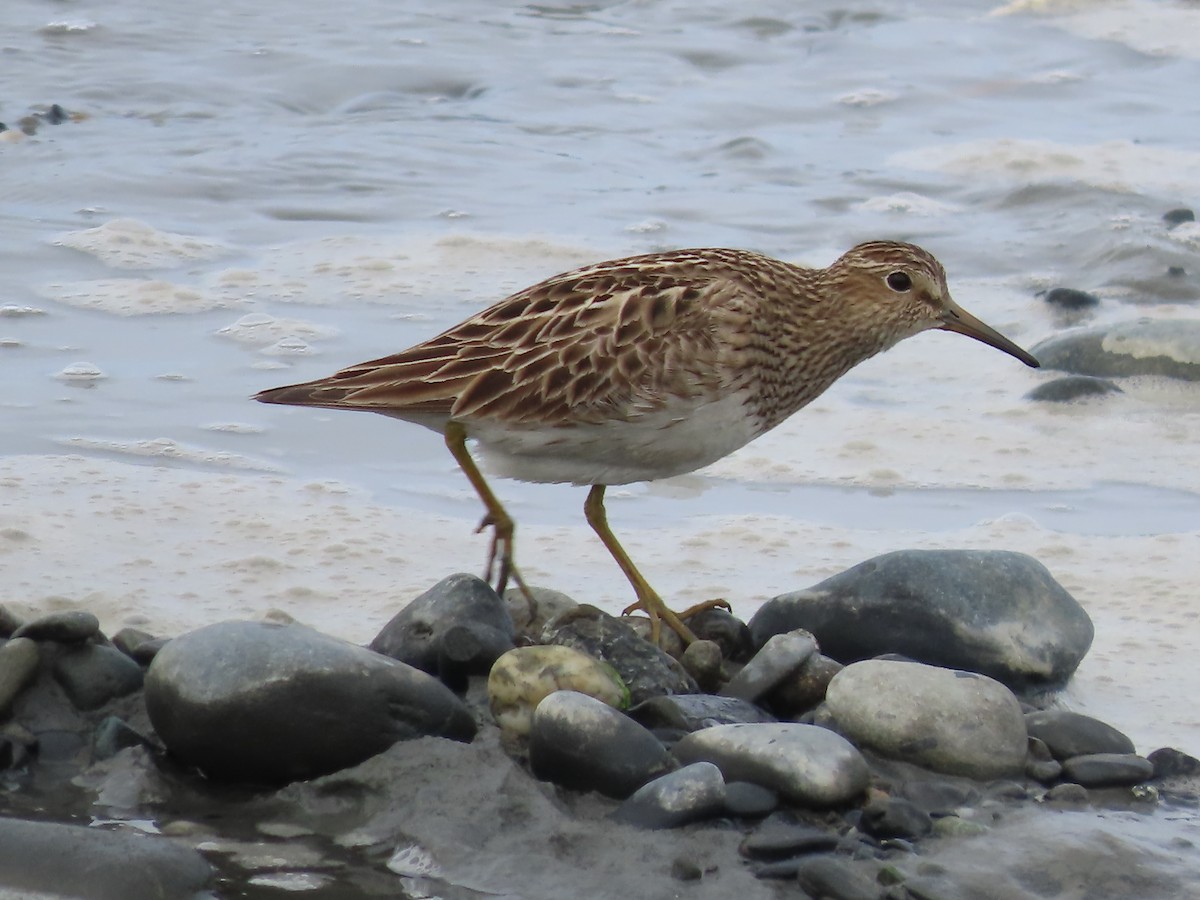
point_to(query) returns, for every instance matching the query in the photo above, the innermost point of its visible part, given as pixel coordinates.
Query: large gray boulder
(995, 612)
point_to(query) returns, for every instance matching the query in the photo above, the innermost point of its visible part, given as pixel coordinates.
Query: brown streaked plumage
(646, 367)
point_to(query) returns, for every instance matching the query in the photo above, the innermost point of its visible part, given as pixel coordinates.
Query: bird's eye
(899, 282)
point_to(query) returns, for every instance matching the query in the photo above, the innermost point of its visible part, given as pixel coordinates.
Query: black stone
(127, 640)
(1073, 387)
(1107, 769)
(1067, 793)
(893, 817)
(962, 609)
(112, 736)
(93, 674)
(1169, 763)
(747, 800)
(9, 621)
(1068, 734)
(1071, 299)
(1159, 348)
(72, 627)
(939, 797)
(691, 712)
(690, 794)
(1179, 216)
(834, 879)
(726, 630)
(777, 840)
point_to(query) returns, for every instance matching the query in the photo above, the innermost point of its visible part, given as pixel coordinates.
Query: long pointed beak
(957, 319)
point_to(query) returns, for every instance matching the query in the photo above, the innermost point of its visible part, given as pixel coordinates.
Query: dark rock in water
(415, 634)
(703, 661)
(112, 736)
(779, 657)
(18, 746)
(523, 677)
(48, 859)
(1145, 347)
(252, 701)
(1169, 763)
(1069, 734)
(894, 817)
(127, 640)
(1069, 793)
(805, 688)
(939, 796)
(1179, 216)
(686, 795)
(1073, 387)
(144, 653)
(19, 659)
(1107, 769)
(9, 621)
(747, 800)
(469, 649)
(729, 632)
(964, 609)
(72, 627)
(834, 879)
(1071, 299)
(809, 765)
(578, 742)
(529, 618)
(691, 712)
(645, 669)
(93, 674)
(776, 838)
(1041, 765)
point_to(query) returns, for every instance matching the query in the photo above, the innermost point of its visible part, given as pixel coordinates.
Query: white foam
(1154, 28)
(130, 244)
(133, 296)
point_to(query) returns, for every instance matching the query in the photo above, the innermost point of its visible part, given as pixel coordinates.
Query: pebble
(1140, 347)
(775, 839)
(93, 674)
(582, 743)
(529, 618)
(939, 796)
(1040, 765)
(831, 878)
(1068, 734)
(691, 712)
(1071, 299)
(960, 723)
(1179, 216)
(779, 657)
(1107, 769)
(254, 701)
(689, 794)
(112, 736)
(894, 817)
(703, 661)
(1072, 387)
(806, 764)
(805, 688)
(724, 629)
(9, 621)
(522, 678)
(19, 658)
(73, 627)
(749, 800)
(645, 669)
(966, 609)
(1169, 762)
(1068, 792)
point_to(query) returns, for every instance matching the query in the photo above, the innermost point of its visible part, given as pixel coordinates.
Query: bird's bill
(957, 319)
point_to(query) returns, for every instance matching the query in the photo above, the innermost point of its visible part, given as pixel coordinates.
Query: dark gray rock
(691, 712)
(777, 839)
(690, 794)
(1040, 764)
(994, 612)
(747, 800)
(779, 657)
(93, 674)
(1107, 769)
(1068, 734)
(831, 878)
(9, 621)
(645, 669)
(895, 817)
(1071, 299)
(530, 617)
(262, 702)
(415, 634)
(947, 720)
(1143, 347)
(19, 659)
(1178, 216)
(1068, 794)
(810, 766)
(112, 736)
(939, 796)
(703, 661)
(578, 742)
(724, 629)
(805, 688)
(1073, 387)
(50, 859)
(1170, 763)
(73, 627)
(127, 640)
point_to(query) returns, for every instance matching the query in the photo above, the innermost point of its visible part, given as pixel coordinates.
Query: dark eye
(899, 282)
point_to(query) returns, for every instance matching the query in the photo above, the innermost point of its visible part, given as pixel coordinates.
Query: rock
(1178, 216)
(18, 747)
(960, 723)
(702, 660)
(691, 712)
(1069, 793)
(686, 795)
(112, 736)
(1072, 387)
(779, 657)
(465, 607)
(1169, 763)
(1068, 734)
(724, 629)
(808, 765)
(530, 618)
(581, 743)
(49, 859)
(645, 669)
(1040, 764)
(895, 817)
(995, 612)
(73, 627)
(1071, 299)
(9, 621)
(777, 838)
(262, 702)
(939, 796)
(1107, 769)
(93, 674)
(831, 878)
(127, 640)
(19, 658)
(1142, 347)
(746, 800)
(522, 678)
(805, 688)
(144, 653)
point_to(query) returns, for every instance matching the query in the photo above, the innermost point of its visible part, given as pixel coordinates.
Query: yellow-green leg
(647, 600)
(497, 517)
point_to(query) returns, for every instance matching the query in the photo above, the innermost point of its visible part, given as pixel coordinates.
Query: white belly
(657, 445)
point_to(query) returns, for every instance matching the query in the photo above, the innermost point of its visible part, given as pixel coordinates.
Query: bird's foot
(654, 608)
(500, 555)
(705, 607)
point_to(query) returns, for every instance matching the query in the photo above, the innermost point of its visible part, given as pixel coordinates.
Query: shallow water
(261, 195)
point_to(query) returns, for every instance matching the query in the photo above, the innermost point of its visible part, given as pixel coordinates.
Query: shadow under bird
(643, 368)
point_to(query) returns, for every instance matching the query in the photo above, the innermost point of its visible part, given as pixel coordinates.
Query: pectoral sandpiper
(646, 367)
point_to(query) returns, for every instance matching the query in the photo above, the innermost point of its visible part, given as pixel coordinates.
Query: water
(267, 192)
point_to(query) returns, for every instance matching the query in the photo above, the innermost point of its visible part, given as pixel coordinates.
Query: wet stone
(702, 660)
(937, 796)
(645, 669)
(530, 617)
(1040, 764)
(144, 653)
(93, 674)
(9, 621)
(691, 712)
(19, 658)
(1178, 216)
(808, 765)
(581, 743)
(1073, 387)
(805, 688)
(779, 657)
(1068, 734)
(1070, 299)
(747, 800)
(690, 794)
(415, 634)
(127, 640)
(834, 879)
(73, 627)
(724, 629)
(1069, 793)
(1107, 769)
(1141, 347)
(112, 736)
(963, 609)
(775, 839)
(893, 817)
(1169, 763)
(522, 678)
